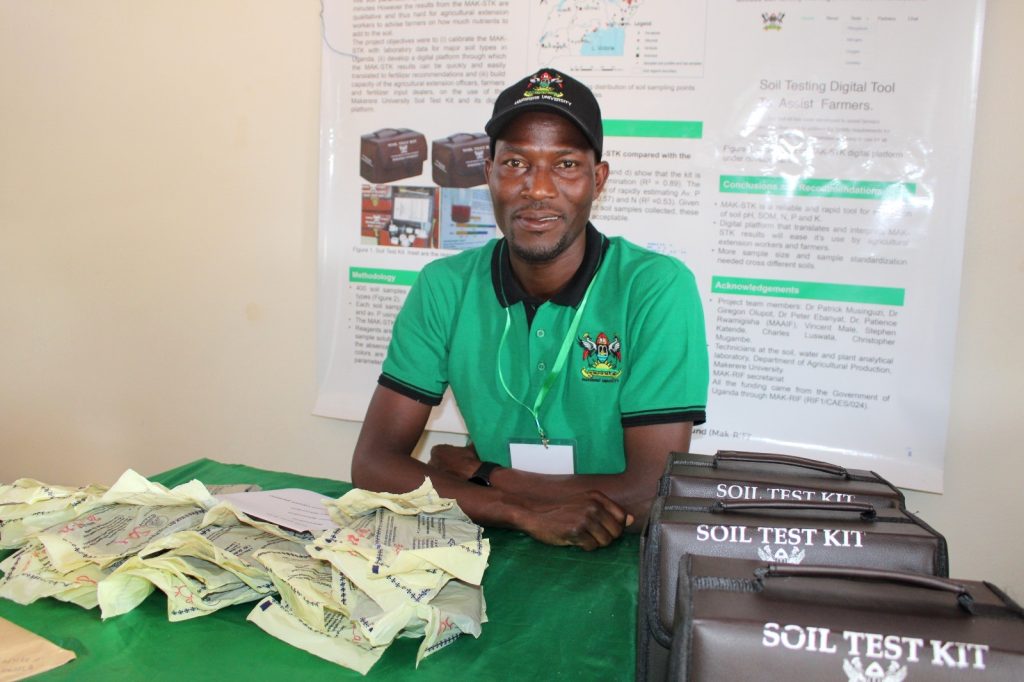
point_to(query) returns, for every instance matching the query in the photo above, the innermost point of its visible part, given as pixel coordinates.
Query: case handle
(774, 458)
(866, 510)
(963, 597)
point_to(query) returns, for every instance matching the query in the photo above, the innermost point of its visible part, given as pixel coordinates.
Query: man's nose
(540, 184)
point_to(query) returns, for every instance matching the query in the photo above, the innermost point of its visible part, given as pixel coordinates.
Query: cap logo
(545, 83)
(549, 89)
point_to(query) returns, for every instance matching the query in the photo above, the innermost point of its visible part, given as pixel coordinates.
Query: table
(555, 613)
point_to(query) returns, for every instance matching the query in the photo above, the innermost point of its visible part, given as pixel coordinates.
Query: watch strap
(482, 476)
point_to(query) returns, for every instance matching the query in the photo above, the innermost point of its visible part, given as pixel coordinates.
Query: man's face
(543, 179)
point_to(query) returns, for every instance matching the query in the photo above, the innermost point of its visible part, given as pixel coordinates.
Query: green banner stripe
(623, 127)
(403, 278)
(819, 291)
(833, 188)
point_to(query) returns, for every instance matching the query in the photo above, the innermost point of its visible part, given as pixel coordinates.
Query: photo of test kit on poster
(467, 218)
(399, 216)
(391, 154)
(458, 160)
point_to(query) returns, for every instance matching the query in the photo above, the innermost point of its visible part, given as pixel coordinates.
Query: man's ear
(601, 171)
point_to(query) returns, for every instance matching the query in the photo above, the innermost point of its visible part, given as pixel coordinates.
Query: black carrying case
(736, 475)
(458, 160)
(391, 154)
(834, 534)
(746, 620)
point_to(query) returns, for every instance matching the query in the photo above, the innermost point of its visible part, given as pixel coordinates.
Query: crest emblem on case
(781, 556)
(874, 672)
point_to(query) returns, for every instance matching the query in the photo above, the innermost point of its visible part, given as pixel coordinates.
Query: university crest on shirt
(602, 358)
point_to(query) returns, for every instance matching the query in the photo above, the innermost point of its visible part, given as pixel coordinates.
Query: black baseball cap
(551, 90)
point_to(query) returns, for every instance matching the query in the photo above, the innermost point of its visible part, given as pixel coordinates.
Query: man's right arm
(383, 462)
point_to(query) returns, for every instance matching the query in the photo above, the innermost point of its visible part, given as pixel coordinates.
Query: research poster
(809, 160)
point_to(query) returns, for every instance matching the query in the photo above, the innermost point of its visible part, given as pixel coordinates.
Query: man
(567, 351)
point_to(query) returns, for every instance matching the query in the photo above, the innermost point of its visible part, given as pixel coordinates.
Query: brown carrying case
(745, 620)
(458, 160)
(391, 154)
(737, 475)
(850, 534)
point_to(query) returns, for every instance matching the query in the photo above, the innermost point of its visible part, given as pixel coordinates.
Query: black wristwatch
(482, 476)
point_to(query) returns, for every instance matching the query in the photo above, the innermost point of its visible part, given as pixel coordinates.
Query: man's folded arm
(647, 448)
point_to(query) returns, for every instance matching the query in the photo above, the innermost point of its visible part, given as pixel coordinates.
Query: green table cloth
(554, 613)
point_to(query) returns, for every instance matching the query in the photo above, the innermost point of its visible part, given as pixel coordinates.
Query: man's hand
(459, 461)
(588, 520)
(633, 490)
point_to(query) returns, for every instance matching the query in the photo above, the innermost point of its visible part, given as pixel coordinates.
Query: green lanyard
(552, 376)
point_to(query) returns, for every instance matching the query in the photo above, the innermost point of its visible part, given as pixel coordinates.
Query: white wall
(158, 230)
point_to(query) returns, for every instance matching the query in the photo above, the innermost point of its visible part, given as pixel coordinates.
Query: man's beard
(541, 254)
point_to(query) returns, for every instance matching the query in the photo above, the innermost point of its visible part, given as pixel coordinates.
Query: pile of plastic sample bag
(200, 570)
(28, 507)
(68, 560)
(406, 565)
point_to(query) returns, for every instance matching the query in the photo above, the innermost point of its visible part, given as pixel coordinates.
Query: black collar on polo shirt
(509, 292)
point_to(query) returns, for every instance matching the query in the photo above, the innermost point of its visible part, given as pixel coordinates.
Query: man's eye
(514, 163)
(568, 163)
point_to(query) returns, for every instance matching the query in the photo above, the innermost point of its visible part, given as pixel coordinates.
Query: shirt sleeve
(417, 361)
(667, 379)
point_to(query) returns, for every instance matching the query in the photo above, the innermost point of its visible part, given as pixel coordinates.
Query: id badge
(559, 457)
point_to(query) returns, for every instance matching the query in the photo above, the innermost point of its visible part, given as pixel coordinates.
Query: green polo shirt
(639, 355)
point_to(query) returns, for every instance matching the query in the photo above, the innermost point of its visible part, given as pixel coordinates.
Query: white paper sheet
(292, 508)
